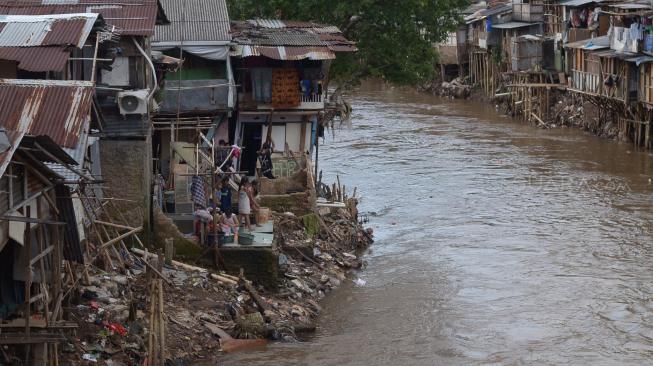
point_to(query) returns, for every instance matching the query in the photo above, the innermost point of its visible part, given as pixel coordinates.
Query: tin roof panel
(56, 109)
(130, 17)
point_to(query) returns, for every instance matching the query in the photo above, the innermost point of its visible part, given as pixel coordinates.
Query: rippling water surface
(497, 243)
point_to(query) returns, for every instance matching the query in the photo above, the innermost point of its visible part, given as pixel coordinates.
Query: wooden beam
(41, 255)
(38, 323)
(119, 238)
(114, 225)
(36, 297)
(19, 338)
(30, 220)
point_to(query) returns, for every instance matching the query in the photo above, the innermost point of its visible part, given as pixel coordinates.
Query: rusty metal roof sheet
(78, 154)
(46, 30)
(194, 21)
(287, 52)
(19, 138)
(305, 39)
(56, 109)
(37, 59)
(130, 17)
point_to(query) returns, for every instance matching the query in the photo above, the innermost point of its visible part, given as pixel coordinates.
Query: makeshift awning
(631, 6)
(575, 3)
(210, 52)
(614, 54)
(640, 59)
(512, 25)
(591, 44)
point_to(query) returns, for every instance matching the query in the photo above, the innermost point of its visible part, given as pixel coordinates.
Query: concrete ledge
(297, 203)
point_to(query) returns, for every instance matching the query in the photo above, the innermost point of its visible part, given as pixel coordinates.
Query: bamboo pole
(161, 321)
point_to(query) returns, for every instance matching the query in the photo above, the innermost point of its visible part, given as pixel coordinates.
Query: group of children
(228, 223)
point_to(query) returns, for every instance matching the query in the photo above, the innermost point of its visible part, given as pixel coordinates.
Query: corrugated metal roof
(37, 59)
(288, 37)
(287, 52)
(575, 3)
(195, 21)
(57, 109)
(500, 9)
(78, 154)
(488, 12)
(46, 30)
(130, 17)
(307, 36)
(268, 23)
(18, 139)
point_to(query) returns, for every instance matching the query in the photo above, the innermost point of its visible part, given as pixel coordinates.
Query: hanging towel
(197, 191)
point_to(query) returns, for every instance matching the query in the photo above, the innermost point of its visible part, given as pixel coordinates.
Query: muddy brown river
(497, 243)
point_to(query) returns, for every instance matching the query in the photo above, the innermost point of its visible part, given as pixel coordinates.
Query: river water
(497, 243)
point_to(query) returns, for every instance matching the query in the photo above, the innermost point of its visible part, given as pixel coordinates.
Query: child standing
(244, 208)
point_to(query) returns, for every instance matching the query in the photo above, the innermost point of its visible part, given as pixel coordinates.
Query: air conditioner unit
(133, 101)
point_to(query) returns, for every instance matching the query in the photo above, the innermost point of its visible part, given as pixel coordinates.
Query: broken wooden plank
(19, 338)
(38, 323)
(119, 238)
(41, 255)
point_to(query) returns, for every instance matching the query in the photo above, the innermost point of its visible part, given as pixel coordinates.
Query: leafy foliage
(395, 37)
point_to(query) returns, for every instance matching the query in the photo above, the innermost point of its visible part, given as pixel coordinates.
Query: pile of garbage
(457, 88)
(569, 113)
(206, 312)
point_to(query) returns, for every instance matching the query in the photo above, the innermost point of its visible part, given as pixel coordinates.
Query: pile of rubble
(206, 312)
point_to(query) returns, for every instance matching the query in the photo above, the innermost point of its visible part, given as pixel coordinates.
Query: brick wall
(259, 264)
(126, 167)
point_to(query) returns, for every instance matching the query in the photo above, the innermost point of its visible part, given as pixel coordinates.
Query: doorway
(251, 141)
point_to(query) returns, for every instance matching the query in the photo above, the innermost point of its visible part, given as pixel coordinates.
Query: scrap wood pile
(132, 307)
(122, 322)
(151, 313)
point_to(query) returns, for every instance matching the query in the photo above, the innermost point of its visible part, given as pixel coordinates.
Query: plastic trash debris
(89, 357)
(360, 282)
(116, 328)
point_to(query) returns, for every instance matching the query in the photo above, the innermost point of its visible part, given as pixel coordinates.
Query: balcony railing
(592, 83)
(311, 98)
(306, 102)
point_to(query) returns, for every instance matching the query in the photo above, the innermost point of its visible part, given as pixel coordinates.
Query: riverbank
(559, 109)
(495, 242)
(150, 311)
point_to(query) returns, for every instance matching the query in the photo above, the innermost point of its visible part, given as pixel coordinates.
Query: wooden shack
(595, 69)
(37, 232)
(528, 10)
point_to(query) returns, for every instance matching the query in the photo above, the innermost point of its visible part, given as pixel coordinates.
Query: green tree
(395, 37)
